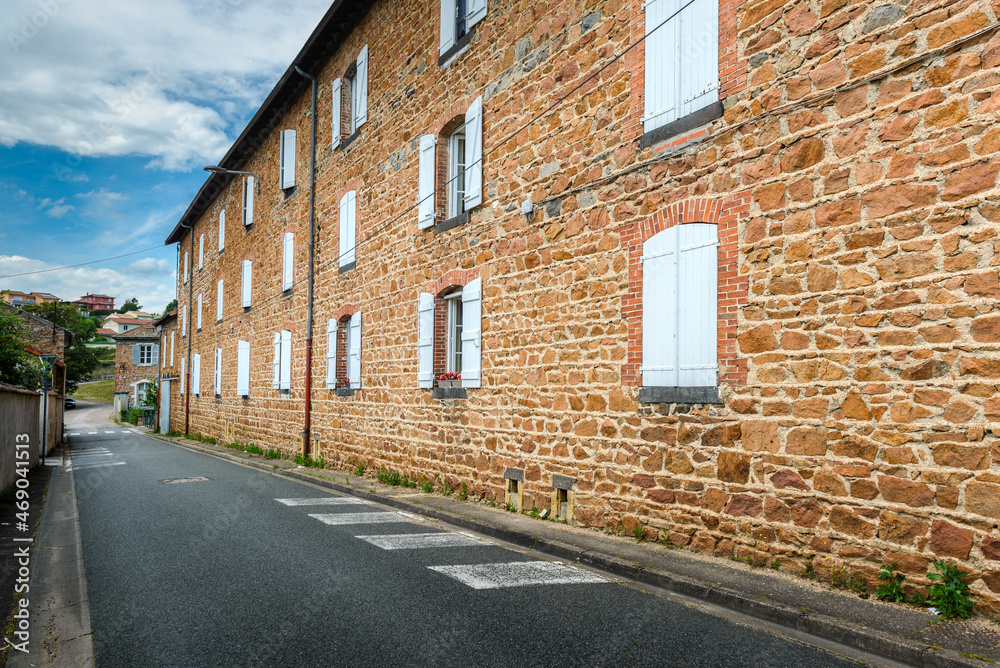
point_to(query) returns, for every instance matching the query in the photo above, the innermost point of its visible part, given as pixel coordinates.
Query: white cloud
(57, 208)
(171, 80)
(150, 279)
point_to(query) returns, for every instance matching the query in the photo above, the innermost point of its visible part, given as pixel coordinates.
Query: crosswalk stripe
(416, 541)
(91, 432)
(79, 467)
(75, 433)
(516, 574)
(324, 501)
(109, 431)
(337, 519)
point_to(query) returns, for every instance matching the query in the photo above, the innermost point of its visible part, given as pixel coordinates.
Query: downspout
(187, 325)
(307, 421)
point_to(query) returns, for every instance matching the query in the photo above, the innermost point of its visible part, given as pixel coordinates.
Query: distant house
(119, 324)
(16, 298)
(137, 359)
(44, 297)
(93, 302)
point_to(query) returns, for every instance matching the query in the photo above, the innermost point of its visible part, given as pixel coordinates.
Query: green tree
(130, 305)
(80, 360)
(170, 307)
(17, 367)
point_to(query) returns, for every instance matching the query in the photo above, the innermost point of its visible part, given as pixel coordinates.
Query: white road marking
(75, 433)
(78, 467)
(416, 541)
(360, 518)
(109, 432)
(93, 454)
(91, 432)
(324, 501)
(517, 574)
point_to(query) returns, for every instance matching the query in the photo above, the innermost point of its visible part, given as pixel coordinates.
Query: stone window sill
(456, 221)
(350, 140)
(459, 46)
(347, 267)
(681, 125)
(679, 395)
(449, 393)
(345, 391)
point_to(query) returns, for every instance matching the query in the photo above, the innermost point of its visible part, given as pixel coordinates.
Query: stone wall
(853, 177)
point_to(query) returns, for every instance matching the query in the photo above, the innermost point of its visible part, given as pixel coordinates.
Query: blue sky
(109, 109)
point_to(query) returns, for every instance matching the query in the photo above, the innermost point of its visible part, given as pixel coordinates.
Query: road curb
(845, 632)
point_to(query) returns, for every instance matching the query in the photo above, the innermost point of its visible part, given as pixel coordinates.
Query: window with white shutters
(287, 261)
(682, 60)
(201, 251)
(249, 184)
(457, 20)
(331, 354)
(218, 303)
(222, 230)
(199, 313)
(680, 307)
(287, 154)
(218, 372)
(354, 351)
(196, 374)
(243, 369)
(348, 229)
(425, 187)
(246, 287)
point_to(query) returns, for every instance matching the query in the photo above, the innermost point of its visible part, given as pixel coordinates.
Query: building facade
(722, 270)
(137, 361)
(93, 302)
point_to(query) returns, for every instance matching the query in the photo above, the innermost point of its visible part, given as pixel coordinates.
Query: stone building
(726, 272)
(137, 361)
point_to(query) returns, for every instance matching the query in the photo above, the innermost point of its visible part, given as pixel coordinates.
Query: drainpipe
(307, 421)
(189, 318)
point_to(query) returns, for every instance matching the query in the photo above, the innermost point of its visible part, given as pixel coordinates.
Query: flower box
(449, 383)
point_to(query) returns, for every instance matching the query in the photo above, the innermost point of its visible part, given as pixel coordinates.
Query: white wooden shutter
(183, 374)
(199, 312)
(155, 359)
(336, 112)
(222, 230)
(360, 109)
(135, 354)
(472, 334)
(425, 185)
(201, 251)
(163, 360)
(331, 354)
(354, 351)
(243, 368)
(697, 305)
(448, 25)
(288, 261)
(184, 321)
(249, 183)
(186, 272)
(287, 159)
(218, 302)
(276, 364)
(699, 56)
(196, 374)
(171, 347)
(475, 11)
(246, 288)
(286, 360)
(348, 227)
(474, 154)
(659, 309)
(425, 340)
(218, 371)
(662, 67)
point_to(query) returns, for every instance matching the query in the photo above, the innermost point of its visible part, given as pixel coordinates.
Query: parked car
(70, 402)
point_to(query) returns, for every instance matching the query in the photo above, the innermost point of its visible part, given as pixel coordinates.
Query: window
(196, 374)
(145, 354)
(449, 335)
(218, 303)
(222, 230)
(201, 251)
(456, 173)
(457, 19)
(199, 313)
(282, 364)
(287, 159)
(350, 99)
(679, 307)
(249, 184)
(140, 393)
(246, 287)
(287, 261)
(682, 62)
(460, 161)
(343, 352)
(243, 369)
(348, 229)
(218, 372)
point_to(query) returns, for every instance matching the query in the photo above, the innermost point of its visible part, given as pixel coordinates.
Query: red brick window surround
(338, 355)
(449, 284)
(687, 122)
(732, 288)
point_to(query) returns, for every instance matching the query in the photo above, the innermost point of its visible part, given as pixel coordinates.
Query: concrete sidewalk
(902, 633)
(59, 610)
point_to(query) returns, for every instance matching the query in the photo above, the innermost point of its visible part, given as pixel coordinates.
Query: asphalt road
(218, 572)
